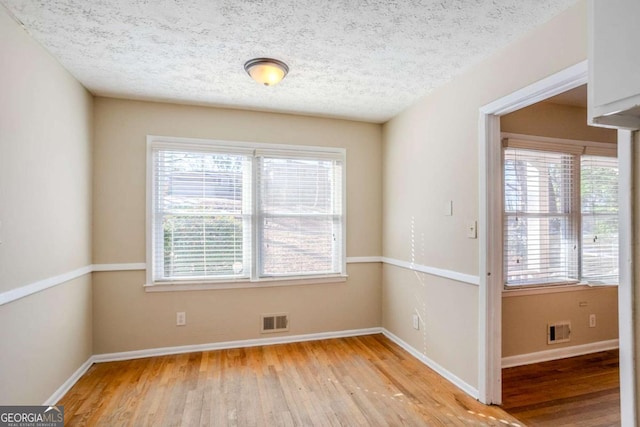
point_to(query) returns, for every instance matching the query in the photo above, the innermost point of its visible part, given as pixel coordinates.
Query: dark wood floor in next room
(580, 391)
(360, 381)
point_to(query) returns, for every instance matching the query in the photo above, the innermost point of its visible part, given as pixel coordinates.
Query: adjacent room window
(599, 204)
(560, 213)
(222, 211)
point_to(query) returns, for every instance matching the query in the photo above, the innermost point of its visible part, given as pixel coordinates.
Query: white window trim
(593, 147)
(553, 289)
(154, 141)
(571, 146)
(243, 284)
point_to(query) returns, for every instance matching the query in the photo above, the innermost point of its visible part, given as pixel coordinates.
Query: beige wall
(445, 334)
(44, 339)
(555, 121)
(525, 317)
(45, 210)
(127, 318)
(431, 156)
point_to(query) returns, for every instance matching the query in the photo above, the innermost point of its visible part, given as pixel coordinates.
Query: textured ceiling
(356, 59)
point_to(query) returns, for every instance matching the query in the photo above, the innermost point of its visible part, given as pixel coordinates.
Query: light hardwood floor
(361, 381)
(580, 391)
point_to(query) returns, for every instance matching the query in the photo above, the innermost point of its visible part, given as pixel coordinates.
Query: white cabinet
(614, 63)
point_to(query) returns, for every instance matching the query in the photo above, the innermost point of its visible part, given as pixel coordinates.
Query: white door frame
(626, 297)
(490, 236)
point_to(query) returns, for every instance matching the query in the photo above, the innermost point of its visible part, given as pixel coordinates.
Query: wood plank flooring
(580, 391)
(360, 381)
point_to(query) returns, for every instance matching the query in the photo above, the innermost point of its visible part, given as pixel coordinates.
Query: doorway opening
(560, 262)
(491, 234)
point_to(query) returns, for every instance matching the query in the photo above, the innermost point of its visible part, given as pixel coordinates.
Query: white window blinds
(201, 215)
(560, 213)
(300, 215)
(599, 200)
(244, 213)
(540, 227)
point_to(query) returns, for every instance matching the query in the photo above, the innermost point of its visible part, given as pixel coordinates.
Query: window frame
(599, 218)
(251, 149)
(575, 148)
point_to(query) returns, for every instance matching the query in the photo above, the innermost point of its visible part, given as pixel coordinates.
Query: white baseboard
(452, 378)
(138, 354)
(163, 351)
(558, 353)
(70, 382)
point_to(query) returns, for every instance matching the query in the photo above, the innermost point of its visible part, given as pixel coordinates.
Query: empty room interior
(320, 213)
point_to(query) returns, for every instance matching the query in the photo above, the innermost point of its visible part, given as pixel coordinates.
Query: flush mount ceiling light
(266, 71)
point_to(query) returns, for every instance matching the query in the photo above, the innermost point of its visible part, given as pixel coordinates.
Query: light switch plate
(448, 208)
(472, 230)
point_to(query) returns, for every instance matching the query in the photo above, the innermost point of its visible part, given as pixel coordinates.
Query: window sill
(537, 290)
(242, 284)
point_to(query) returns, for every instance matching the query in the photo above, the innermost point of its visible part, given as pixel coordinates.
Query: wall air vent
(558, 332)
(274, 323)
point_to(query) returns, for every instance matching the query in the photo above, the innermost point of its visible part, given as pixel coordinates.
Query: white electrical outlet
(416, 321)
(181, 318)
(592, 320)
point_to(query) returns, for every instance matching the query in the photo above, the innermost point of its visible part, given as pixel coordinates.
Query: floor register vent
(274, 323)
(558, 332)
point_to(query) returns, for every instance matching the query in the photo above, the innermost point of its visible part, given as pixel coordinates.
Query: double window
(222, 211)
(560, 213)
